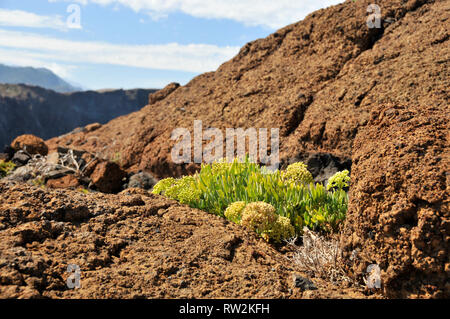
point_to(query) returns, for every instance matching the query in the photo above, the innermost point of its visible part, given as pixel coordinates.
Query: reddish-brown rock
(107, 177)
(30, 143)
(135, 246)
(92, 127)
(64, 182)
(162, 94)
(399, 215)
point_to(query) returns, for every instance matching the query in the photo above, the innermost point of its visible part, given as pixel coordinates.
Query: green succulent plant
(6, 168)
(228, 189)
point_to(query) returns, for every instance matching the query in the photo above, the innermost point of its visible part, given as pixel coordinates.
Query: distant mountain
(28, 109)
(41, 77)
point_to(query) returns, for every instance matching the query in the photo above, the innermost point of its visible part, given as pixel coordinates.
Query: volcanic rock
(107, 177)
(316, 80)
(142, 180)
(31, 144)
(399, 215)
(64, 182)
(162, 94)
(303, 283)
(21, 158)
(149, 248)
(57, 172)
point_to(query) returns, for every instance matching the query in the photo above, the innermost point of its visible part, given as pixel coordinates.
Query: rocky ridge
(46, 113)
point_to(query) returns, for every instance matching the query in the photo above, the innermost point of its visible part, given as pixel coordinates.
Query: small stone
(130, 201)
(58, 172)
(92, 127)
(142, 180)
(21, 158)
(303, 283)
(107, 177)
(63, 182)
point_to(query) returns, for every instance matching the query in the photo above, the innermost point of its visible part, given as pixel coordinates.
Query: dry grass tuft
(320, 257)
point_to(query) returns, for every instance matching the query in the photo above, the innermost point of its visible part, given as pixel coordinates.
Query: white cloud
(173, 56)
(269, 13)
(20, 58)
(18, 18)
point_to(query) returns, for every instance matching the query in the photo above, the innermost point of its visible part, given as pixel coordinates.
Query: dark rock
(21, 158)
(324, 165)
(4, 157)
(142, 180)
(58, 172)
(303, 283)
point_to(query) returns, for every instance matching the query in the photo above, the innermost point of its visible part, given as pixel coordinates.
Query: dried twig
(321, 257)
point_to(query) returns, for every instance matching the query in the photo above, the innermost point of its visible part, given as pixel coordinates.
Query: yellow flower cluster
(182, 190)
(178, 189)
(258, 216)
(282, 229)
(339, 180)
(163, 185)
(297, 173)
(220, 167)
(234, 212)
(262, 218)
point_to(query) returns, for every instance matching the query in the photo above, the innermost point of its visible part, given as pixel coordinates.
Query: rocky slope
(376, 97)
(135, 245)
(399, 214)
(316, 80)
(45, 113)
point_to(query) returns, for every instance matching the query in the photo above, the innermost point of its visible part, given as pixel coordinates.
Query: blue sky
(137, 43)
